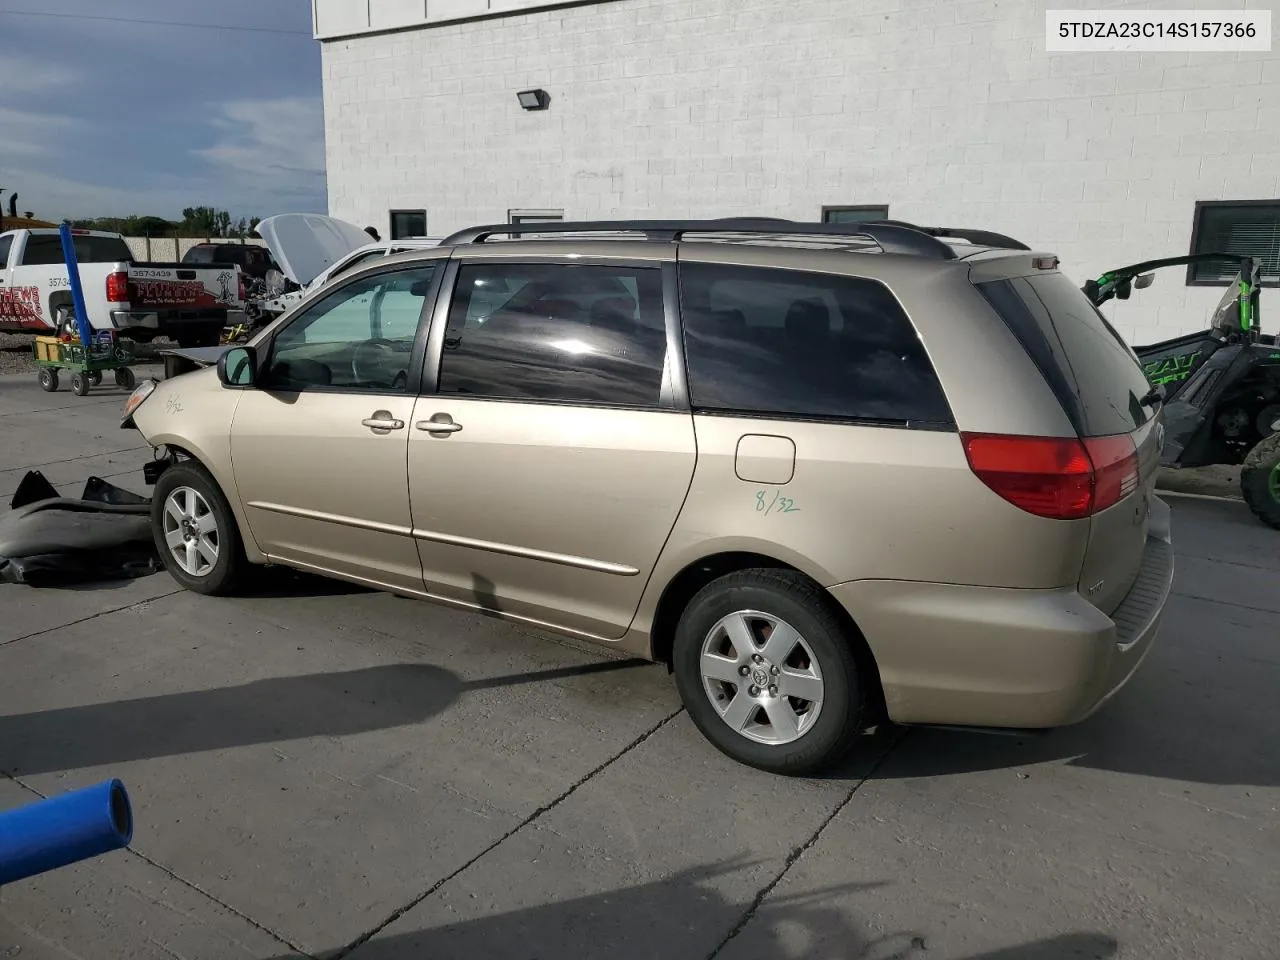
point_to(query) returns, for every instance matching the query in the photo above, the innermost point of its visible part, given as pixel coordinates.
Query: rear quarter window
(1093, 372)
(795, 344)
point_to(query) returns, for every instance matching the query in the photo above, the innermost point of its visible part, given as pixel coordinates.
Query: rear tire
(188, 507)
(767, 672)
(125, 378)
(48, 377)
(204, 338)
(1260, 481)
(64, 322)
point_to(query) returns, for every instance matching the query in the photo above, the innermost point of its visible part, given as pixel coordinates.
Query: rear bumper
(175, 319)
(996, 657)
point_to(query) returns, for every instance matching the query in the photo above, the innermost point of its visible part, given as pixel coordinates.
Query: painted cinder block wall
(949, 111)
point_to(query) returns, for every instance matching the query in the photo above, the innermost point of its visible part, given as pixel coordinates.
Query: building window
(408, 223)
(859, 214)
(535, 216)
(1248, 228)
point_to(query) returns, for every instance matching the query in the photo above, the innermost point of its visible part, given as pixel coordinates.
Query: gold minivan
(830, 474)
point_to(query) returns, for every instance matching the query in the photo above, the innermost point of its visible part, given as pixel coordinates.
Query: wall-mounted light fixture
(534, 99)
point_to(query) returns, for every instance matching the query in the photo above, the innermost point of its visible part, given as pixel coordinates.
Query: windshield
(1094, 373)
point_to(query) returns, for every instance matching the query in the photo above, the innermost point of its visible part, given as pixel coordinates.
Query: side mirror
(238, 367)
(1124, 288)
(1144, 280)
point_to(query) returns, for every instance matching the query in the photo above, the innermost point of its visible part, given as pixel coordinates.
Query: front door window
(359, 338)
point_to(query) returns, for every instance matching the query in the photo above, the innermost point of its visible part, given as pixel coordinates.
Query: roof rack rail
(889, 237)
(985, 238)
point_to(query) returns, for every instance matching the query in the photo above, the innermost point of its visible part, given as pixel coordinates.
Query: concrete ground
(319, 770)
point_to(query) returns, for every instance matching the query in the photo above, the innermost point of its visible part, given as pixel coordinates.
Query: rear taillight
(240, 285)
(118, 287)
(1115, 467)
(1055, 477)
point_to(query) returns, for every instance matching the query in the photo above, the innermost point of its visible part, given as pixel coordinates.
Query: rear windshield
(47, 249)
(1090, 368)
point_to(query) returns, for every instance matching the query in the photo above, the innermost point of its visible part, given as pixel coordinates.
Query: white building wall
(949, 111)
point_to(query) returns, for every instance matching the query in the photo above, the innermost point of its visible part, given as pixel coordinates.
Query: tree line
(195, 222)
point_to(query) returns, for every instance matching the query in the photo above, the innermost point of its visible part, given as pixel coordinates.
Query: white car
(312, 249)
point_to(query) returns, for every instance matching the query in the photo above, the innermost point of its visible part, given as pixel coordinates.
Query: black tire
(226, 574)
(202, 338)
(48, 377)
(1260, 481)
(64, 322)
(796, 600)
(125, 378)
(95, 378)
(80, 384)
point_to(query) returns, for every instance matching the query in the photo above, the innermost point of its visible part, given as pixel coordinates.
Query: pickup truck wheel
(80, 384)
(48, 378)
(195, 531)
(95, 378)
(1260, 481)
(188, 341)
(63, 322)
(125, 378)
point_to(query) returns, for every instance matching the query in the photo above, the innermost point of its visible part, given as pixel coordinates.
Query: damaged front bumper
(47, 539)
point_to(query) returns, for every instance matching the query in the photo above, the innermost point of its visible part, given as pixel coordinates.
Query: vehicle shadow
(680, 916)
(281, 583)
(263, 711)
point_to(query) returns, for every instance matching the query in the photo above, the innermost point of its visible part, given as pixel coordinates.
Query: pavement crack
(545, 808)
(1228, 603)
(192, 885)
(92, 616)
(794, 856)
(83, 456)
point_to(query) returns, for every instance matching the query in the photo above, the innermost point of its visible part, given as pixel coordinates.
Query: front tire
(767, 672)
(1260, 481)
(80, 384)
(125, 378)
(195, 531)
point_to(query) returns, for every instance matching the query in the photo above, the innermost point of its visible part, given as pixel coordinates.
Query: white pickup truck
(186, 303)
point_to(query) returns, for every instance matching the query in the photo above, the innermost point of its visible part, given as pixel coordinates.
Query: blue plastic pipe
(53, 833)
(77, 293)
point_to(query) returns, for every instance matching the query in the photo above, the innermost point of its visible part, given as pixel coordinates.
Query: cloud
(22, 75)
(280, 140)
(30, 134)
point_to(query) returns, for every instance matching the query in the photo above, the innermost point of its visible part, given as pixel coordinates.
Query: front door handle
(440, 423)
(382, 421)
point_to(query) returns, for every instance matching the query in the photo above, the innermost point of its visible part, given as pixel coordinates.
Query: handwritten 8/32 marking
(777, 504)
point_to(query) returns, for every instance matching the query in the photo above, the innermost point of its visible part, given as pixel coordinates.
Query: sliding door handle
(440, 423)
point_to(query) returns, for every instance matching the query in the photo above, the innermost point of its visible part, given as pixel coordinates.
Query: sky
(106, 118)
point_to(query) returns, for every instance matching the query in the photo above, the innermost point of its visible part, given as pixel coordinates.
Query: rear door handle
(439, 423)
(382, 421)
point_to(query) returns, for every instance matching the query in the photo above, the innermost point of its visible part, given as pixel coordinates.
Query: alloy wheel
(191, 531)
(762, 677)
